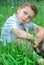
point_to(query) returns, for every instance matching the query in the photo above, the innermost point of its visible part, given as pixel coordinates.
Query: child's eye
(25, 12)
(29, 17)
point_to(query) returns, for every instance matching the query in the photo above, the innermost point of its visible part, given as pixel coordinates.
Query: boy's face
(25, 14)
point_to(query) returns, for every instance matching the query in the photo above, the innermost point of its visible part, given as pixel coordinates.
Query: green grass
(17, 53)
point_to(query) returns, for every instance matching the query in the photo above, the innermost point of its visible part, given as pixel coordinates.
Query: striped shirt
(13, 22)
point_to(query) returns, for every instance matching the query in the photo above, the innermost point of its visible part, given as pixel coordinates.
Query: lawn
(19, 54)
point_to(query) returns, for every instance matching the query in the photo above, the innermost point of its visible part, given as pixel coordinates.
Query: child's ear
(19, 9)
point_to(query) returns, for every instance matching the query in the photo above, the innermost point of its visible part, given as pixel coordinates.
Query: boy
(18, 25)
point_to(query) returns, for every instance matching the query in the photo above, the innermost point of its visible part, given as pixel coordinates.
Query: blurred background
(14, 2)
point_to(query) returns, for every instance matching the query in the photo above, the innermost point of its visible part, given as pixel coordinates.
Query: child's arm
(40, 35)
(22, 34)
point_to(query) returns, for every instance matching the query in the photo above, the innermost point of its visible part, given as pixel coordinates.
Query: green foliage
(16, 54)
(14, 2)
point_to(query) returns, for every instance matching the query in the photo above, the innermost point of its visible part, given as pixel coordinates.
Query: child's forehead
(25, 7)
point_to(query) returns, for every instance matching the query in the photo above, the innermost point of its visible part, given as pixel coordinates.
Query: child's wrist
(28, 36)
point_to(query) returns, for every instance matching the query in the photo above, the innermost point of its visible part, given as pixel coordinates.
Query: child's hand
(36, 45)
(37, 41)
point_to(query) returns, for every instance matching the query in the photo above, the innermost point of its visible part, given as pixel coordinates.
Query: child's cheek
(22, 15)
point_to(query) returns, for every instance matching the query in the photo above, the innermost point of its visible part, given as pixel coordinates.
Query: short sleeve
(11, 24)
(31, 25)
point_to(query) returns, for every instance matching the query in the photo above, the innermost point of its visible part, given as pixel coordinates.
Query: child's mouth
(23, 20)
